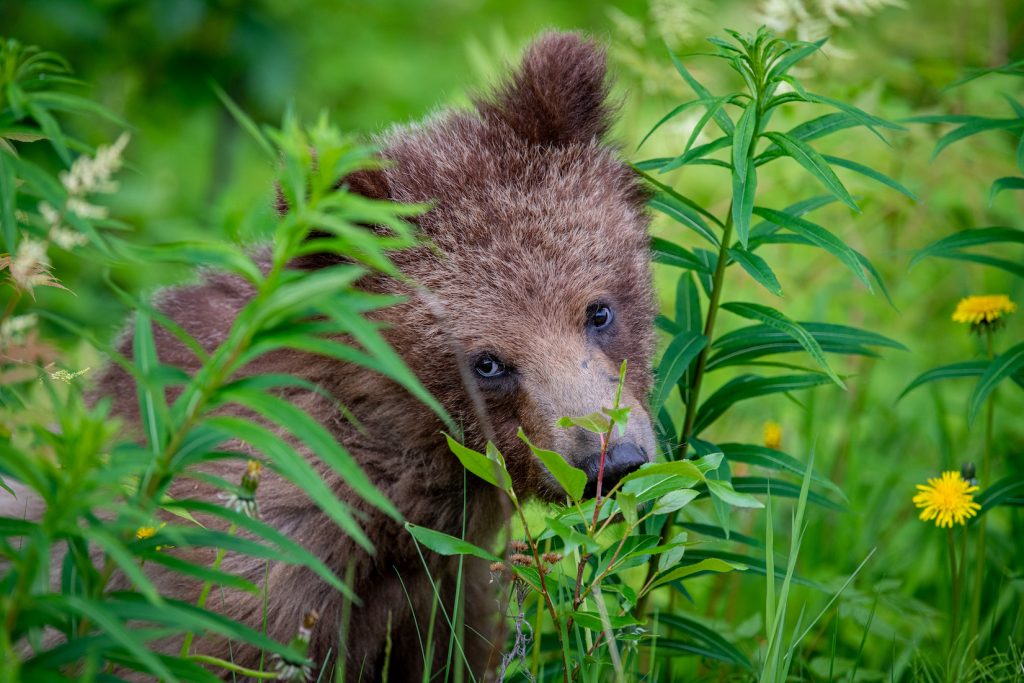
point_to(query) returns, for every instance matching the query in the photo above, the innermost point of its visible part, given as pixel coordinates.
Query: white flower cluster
(812, 20)
(88, 175)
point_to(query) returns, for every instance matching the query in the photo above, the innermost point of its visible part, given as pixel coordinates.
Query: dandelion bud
(251, 478)
(968, 473)
(244, 499)
(289, 669)
(145, 532)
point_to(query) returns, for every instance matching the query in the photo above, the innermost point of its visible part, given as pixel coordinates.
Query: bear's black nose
(619, 461)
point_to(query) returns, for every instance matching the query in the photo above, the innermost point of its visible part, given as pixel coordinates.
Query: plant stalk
(695, 385)
(985, 480)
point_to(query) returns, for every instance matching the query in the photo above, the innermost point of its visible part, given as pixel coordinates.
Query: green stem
(695, 385)
(985, 480)
(205, 592)
(709, 329)
(232, 667)
(955, 577)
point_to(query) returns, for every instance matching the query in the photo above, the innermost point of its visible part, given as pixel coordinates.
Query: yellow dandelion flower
(772, 435)
(946, 499)
(145, 532)
(979, 310)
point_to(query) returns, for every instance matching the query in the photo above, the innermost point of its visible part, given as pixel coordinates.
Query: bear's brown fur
(537, 221)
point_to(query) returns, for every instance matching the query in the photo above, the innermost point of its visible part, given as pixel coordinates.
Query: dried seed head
(520, 559)
(518, 546)
(552, 558)
(497, 567)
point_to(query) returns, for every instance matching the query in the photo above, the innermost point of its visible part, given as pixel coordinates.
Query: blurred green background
(193, 172)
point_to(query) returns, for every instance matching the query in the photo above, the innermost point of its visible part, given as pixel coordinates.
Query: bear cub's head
(539, 258)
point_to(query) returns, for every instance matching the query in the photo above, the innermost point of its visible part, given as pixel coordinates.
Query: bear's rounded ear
(559, 94)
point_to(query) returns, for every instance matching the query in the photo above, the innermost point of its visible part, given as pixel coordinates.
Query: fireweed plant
(597, 585)
(105, 509)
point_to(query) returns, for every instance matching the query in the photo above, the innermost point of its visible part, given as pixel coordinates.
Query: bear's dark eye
(489, 366)
(599, 316)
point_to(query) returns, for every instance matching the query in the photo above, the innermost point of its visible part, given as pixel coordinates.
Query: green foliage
(195, 187)
(102, 497)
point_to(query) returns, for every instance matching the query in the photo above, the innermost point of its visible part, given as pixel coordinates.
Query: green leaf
(247, 123)
(207, 254)
(683, 468)
(742, 139)
(294, 467)
(695, 154)
(812, 130)
(721, 118)
(596, 422)
(711, 643)
(570, 478)
(758, 269)
(490, 470)
(818, 236)
(674, 500)
(773, 318)
(111, 625)
(870, 173)
(761, 456)
(391, 363)
(676, 111)
(153, 410)
(969, 238)
(814, 163)
(743, 192)
(750, 343)
(679, 355)
(627, 503)
(311, 433)
(1001, 184)
(977, 125)
(750, 386)
(572, 538)
(711, 564)
(124, 559)
(1001, 367)
(1002, 491)
(448, 545)
(682, 214)
(779, 487)
(8, 204)
(972, 368)
(725, 492)
(292, 552)
(672, 254)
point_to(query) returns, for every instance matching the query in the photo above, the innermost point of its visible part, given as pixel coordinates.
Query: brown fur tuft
(559, 94)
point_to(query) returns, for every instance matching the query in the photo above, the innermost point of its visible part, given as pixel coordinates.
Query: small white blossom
(66, 238)
(84, 209)
(66, 376)
(50, 215)
(93, 174)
